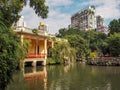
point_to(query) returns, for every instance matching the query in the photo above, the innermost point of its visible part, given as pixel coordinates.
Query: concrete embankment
(111, 61)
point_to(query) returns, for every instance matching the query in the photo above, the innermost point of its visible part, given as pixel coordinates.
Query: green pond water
(67, 77)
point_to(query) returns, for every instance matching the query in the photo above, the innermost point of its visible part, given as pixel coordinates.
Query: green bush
(54, 60)
(10, 53)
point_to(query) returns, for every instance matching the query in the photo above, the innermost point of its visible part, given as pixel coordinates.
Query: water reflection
(67, 77)
(106, 87)
(36, 78)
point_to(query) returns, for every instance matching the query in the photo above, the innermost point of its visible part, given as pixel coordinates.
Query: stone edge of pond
(109, 61)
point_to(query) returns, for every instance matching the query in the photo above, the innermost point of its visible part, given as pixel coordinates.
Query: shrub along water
(61, 53)
(11, 50)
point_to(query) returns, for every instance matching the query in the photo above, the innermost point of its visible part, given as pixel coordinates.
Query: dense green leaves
(89, 41)
(96, 40)
(83, 41)
(114, 44)
(78, 43)
(63, 32)
(114, 26)
(10, 9)
(62, 52)
(11, 50)
(40, 8)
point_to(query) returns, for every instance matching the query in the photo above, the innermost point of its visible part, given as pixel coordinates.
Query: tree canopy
(10, 9)
(11, 48)
(89, 41)
(62, 52)
(83, 41)
(114, 44)
(114, 26)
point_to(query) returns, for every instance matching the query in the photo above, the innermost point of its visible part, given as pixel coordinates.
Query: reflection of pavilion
(36, 78)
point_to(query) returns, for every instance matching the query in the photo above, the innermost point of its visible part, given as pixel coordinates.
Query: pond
(77, 76)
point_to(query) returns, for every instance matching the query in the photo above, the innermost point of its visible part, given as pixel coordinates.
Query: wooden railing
(32, 55)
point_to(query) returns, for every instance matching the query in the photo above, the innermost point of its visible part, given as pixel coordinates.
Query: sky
(60, 12)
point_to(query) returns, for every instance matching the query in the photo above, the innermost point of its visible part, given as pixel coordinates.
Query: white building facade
(84, 19)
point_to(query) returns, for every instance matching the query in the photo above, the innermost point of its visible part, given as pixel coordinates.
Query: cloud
(109, 9)
(56, 19)
(60, 12)
(58, 2)
(31, 19)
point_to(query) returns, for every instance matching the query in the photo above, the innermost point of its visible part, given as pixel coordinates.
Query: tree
(114, 26)
(114, 44)
(63, 32)
(10, 9)
(105, 48)
(79, 44)
(95, 41)
(63, 52)
(84, 41)
(11, 50)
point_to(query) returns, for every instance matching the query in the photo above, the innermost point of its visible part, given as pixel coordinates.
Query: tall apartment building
(100, 25)
(99, 21)
(84, 19)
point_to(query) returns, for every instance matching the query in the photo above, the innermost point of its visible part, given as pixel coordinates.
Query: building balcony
(32, 55)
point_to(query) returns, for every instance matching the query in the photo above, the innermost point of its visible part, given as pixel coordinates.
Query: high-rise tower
(84, 19)
(99, 21)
